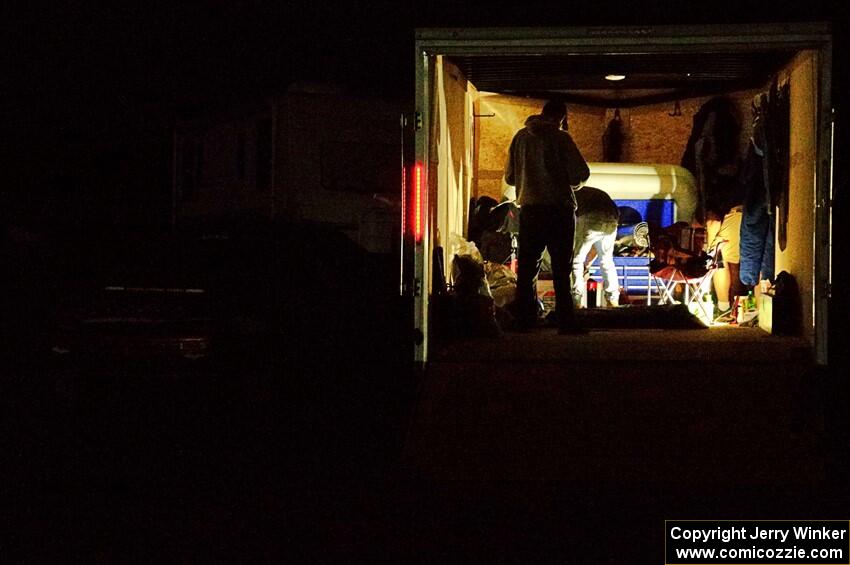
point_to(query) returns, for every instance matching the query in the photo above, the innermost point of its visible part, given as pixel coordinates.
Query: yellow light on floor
(704, 311)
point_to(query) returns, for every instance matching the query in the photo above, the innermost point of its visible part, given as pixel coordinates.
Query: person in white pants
(597, 217)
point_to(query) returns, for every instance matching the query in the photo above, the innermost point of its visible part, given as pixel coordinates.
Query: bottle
(746, 308)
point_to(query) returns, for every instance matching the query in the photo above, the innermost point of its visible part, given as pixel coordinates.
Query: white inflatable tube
(632, 181)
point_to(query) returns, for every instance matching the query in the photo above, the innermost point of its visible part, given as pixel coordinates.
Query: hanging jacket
(777, 123)
(712, 146)
(544, 163)
(715, 120)
(757, 222)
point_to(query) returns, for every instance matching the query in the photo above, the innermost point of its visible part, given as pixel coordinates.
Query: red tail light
(413, 205)
(418, 201)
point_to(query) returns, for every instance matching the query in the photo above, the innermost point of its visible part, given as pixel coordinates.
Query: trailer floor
(719, 343)
(713, 406)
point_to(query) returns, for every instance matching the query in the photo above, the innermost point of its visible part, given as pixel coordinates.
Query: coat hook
(677, 110)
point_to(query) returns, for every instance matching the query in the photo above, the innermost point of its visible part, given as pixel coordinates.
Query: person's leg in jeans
(581, 246)
(604, 246)
(561, 232)
(532, 241)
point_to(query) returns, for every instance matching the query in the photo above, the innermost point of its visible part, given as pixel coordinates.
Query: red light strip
(417, 223)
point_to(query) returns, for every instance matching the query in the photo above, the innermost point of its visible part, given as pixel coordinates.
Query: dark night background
(90, 92)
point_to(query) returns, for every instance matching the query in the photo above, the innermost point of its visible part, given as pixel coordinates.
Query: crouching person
(469, 310)
(597, 218)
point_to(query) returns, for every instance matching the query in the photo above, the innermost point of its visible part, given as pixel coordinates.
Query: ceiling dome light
(615, 77)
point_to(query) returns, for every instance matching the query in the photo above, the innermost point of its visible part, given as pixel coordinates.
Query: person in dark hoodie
(545, 166)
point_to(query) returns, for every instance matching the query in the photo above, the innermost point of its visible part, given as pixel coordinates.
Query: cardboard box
(766, 313)
(546, 294)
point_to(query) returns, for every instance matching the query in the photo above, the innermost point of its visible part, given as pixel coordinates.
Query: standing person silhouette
(545, 166)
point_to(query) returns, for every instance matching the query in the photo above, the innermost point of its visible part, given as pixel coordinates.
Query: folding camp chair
(693, 272)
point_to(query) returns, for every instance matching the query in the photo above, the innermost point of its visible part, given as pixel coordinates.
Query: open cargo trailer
(475, 87)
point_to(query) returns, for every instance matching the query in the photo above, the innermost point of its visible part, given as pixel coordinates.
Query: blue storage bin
(655, 211)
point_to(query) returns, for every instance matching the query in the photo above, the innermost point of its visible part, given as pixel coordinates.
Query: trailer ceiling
(650, 77)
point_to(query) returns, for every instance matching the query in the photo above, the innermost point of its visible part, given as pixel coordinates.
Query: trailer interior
(475, 89)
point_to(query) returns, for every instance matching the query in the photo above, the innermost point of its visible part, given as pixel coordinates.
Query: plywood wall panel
(502, 116)
(797, 258)
(651, 134)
